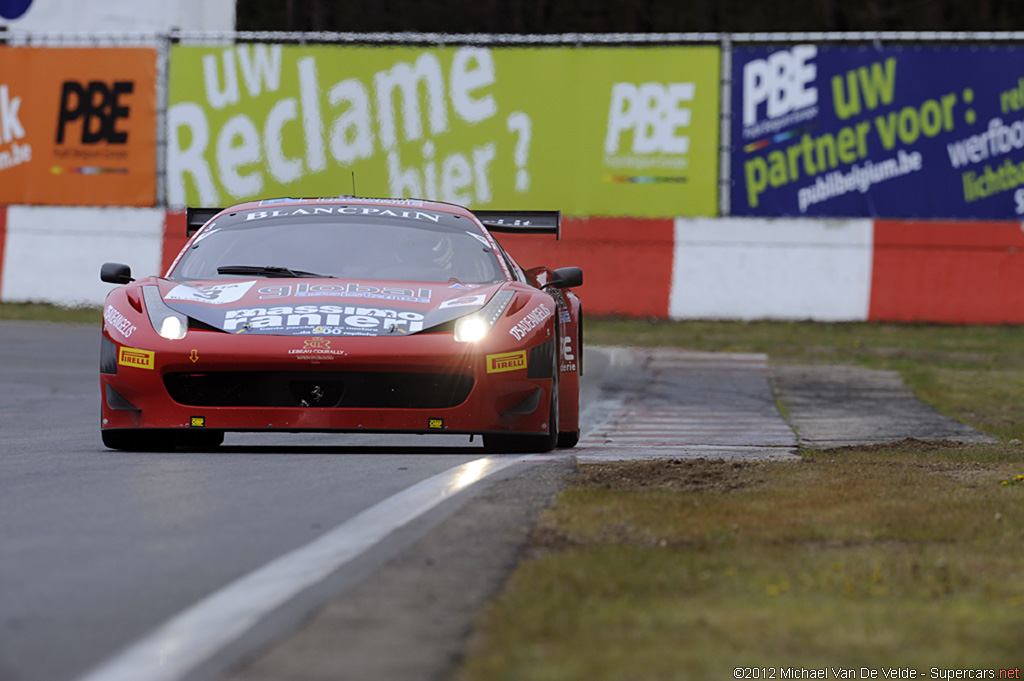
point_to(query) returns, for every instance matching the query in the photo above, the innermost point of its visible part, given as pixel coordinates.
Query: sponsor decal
(532, 320)
(216, 294)
(76, 126)
(435, 424)
(12, 9)
(654, 117)
(352, 290)
(117, 321)
(344, 210)
(465, 301)
(330, 320)
(506, 361)
(564, 316)
(316, 349)
(568, 362)
(133, 357)
(197, 422)
(785, 83)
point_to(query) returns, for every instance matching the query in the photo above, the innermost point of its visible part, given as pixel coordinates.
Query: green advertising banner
(588, 131)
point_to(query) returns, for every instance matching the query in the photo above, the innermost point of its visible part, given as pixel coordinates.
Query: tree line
(628, 16)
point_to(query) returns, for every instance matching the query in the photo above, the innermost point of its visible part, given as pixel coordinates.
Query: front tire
(568, 439)
(138, 440)
(156, 440)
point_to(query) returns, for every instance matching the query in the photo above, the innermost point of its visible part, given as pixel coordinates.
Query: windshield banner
(900, 132)
(588, 131)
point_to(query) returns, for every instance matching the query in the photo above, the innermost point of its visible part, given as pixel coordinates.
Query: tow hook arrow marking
(194, 355)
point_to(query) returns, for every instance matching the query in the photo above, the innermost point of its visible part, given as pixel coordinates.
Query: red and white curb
(686, 404)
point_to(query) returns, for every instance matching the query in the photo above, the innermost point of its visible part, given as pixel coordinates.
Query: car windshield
(343, 246)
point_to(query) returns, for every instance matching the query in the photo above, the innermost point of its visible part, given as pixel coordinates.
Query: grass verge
(898, 556)
(45, 312)
(874, 557)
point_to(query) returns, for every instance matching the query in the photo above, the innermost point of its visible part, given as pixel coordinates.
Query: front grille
(541, 360)
(376, 390)
(108, 356)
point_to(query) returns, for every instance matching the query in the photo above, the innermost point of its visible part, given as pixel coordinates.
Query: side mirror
(115, 273)
(566, 277)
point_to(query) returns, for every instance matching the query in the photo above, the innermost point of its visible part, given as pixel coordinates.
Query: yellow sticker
(133, 357)
(506, 361)
(435, 424)
(198, 422)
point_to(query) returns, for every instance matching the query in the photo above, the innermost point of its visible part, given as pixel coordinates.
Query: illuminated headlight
(168, 323)
(474, 327)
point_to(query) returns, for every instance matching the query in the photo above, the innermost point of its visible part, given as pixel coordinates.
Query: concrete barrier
(687, 268)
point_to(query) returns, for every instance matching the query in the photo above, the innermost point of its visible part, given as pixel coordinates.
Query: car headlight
(168, 323)
(475, 326)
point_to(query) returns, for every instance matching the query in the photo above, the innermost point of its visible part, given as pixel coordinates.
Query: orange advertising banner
(78, 126)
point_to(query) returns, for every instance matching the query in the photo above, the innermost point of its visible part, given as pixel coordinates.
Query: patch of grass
(45, 312)
(901, 556)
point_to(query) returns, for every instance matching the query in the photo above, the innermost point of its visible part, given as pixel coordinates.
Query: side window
(517, 272)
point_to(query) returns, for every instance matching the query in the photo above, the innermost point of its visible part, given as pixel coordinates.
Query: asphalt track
(100, 549)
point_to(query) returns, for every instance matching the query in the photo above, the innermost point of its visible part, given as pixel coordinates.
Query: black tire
(567, 439)
(154, 440)
(203, 440)
(139, 440)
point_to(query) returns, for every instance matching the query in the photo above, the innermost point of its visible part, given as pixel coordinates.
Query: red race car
(345, 315)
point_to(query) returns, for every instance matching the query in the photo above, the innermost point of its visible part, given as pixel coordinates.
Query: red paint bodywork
(141, 384)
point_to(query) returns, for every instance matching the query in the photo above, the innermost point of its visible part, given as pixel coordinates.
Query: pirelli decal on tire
(506, 361)
(132, 357)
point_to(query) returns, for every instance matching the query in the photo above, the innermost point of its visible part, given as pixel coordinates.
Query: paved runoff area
(670, 403)
(686, 404)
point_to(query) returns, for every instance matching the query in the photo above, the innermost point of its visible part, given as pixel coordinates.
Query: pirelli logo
(132, 357)
(506, 361)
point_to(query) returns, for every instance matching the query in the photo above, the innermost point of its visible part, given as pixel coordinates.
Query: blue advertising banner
(900, 132)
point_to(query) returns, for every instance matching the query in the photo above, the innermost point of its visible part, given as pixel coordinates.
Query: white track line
(190, 638)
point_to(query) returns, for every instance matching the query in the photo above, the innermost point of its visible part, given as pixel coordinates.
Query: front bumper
(427, 383)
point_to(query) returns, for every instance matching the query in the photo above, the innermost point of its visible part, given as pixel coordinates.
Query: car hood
(318, 307)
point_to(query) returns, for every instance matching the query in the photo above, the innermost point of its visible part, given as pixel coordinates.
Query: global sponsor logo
(324, 319)
(133, 357)
(532, 320)
(117, 321)
(215, 294)
(506, 361)
(351, 290)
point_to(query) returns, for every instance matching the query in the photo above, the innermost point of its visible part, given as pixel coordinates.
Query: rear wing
(197, 217)
(522, 221)
(509, 221)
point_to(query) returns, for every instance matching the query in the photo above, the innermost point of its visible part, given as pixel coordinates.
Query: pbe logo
(654, 113)
(99, 108)
(780, 82)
